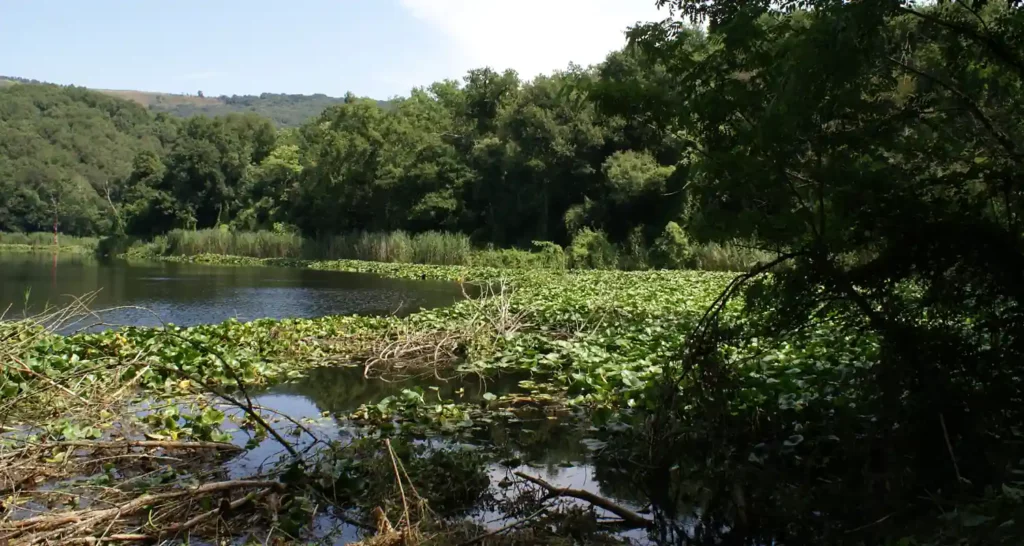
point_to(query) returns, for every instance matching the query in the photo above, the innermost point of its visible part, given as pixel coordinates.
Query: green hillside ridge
(285, 110)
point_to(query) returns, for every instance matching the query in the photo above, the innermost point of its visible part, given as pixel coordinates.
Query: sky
(373, 48)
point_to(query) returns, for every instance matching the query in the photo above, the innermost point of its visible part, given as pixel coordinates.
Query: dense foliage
(876, 144)
(505, 161)
(62, 150)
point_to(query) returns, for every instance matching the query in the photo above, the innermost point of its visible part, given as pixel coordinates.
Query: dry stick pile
(91, 492)
(47, 478)
(81, 525)
(408, 348)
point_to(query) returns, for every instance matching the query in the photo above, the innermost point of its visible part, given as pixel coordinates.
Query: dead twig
(165, 444)
(398, 478)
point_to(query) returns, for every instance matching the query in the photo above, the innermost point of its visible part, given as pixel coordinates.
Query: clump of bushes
(592, 250)
(636, 255)
(673, 250)
(546, 255)
(732, 256)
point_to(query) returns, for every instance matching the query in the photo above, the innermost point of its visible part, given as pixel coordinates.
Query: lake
(156, 293)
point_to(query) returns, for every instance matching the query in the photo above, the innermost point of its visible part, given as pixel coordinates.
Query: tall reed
(260, 244)
(439, 248)
(397, 246)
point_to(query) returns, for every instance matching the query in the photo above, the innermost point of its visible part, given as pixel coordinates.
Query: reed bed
(395, 247)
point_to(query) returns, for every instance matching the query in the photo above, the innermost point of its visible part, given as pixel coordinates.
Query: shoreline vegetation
(430, 248)
(42, 241)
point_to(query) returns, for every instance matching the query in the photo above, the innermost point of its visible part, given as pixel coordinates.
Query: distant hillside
(10, 80)
(68, 145)
(284, 110)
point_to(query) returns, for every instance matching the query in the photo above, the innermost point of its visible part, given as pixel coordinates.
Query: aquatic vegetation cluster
(591, 345)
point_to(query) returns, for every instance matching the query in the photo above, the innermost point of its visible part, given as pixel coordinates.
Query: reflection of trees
(341, 390)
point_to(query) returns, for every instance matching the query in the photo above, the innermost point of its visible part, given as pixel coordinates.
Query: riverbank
(591, 251)
(46, 242)
(11, 247)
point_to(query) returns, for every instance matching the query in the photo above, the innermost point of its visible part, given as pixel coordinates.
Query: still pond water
(151, 294)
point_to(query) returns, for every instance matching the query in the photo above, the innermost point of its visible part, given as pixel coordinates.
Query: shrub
(116, 245)
(636, 256)
(673, 250)
(551, 254)
(591, 249)
(548, 256)
(731, 256)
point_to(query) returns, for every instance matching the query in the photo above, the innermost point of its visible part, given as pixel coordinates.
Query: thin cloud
(533, 36)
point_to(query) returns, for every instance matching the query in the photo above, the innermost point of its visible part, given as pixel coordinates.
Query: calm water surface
(151, 294)
(561, 450)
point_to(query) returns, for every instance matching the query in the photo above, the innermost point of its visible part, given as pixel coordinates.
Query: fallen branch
(629, 516)
(165, 444)
(52, 521)
(110, 538)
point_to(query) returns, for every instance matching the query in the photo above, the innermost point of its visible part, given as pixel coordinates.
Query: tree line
(503, 160)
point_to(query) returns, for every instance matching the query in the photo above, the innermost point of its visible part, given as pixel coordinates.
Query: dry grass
(409, 349)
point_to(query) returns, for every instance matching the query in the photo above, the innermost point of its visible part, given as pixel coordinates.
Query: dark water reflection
(189, 294)
(563, 450)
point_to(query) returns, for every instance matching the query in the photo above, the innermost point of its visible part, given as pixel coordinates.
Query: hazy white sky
(531, 36)
(378, 48)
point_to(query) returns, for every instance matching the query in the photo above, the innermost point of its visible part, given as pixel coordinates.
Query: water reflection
(561, 450)
(188, 294)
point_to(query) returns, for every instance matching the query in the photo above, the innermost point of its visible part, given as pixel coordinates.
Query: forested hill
(66, 145)
(284, 110)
